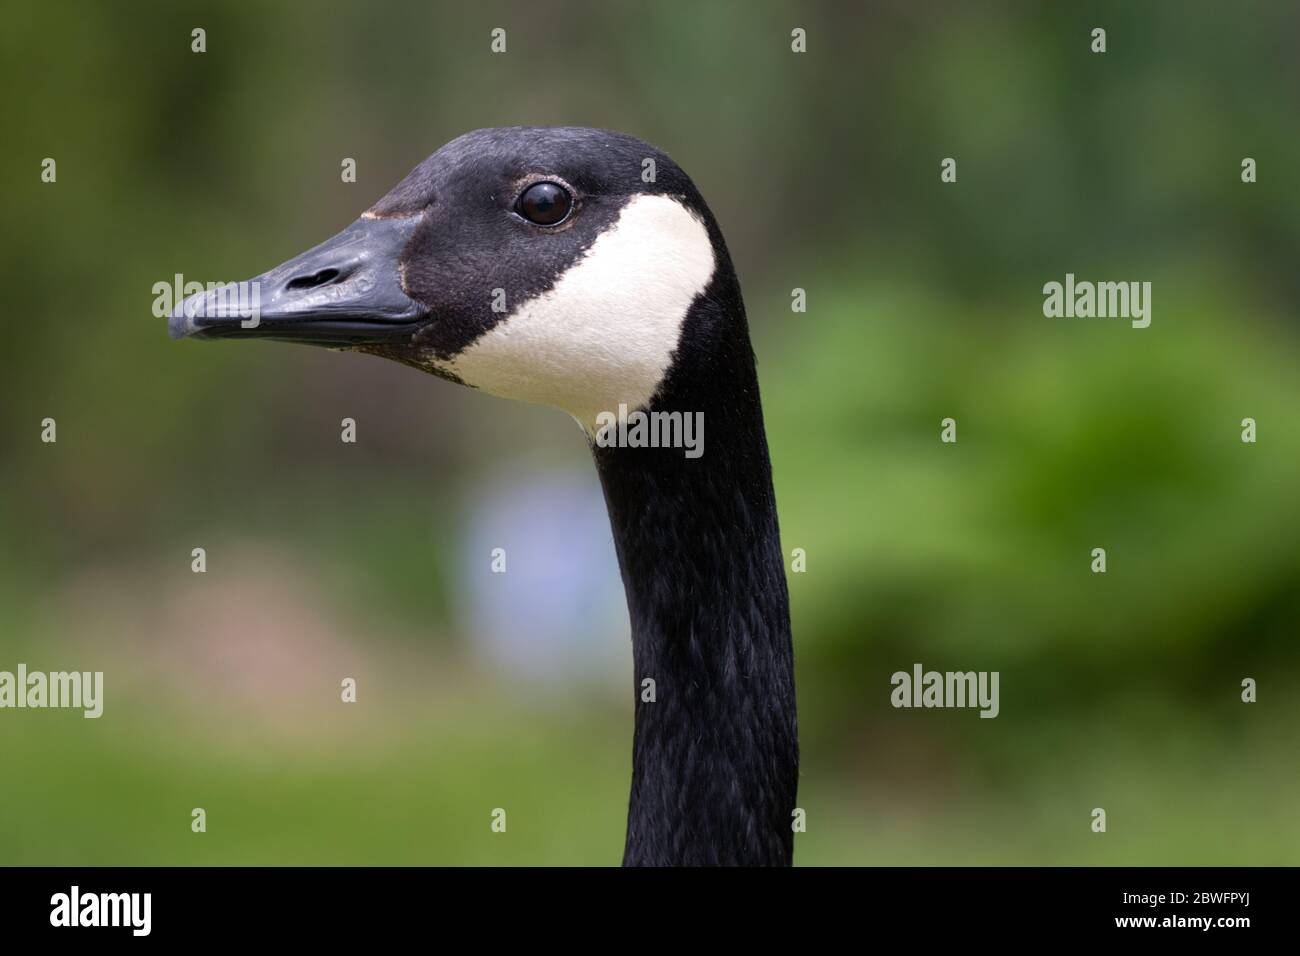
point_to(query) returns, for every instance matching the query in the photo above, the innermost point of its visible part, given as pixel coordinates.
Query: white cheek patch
(605, 333)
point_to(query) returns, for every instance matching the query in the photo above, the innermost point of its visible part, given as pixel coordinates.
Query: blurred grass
(120, 793)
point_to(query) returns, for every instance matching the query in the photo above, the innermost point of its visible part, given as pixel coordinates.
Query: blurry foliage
(1119, 690)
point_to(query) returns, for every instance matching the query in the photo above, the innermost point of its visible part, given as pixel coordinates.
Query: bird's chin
(327, 332)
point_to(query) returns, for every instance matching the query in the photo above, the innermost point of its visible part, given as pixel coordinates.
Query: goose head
(555, 265)
(581, 269)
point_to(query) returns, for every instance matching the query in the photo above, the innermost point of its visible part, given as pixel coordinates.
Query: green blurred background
(478, 691)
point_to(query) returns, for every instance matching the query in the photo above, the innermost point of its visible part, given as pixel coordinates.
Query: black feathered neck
(715, 756)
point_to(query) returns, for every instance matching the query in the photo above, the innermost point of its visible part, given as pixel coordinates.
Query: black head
(551, 264)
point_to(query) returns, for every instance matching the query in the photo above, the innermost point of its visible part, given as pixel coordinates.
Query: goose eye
(544, 204)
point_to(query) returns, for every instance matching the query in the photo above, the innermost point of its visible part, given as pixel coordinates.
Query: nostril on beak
(323, 277)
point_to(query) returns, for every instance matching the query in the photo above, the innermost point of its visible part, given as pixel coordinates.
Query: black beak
(346, 291)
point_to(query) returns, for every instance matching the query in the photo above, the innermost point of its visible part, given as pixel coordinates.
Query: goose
(581, 269)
